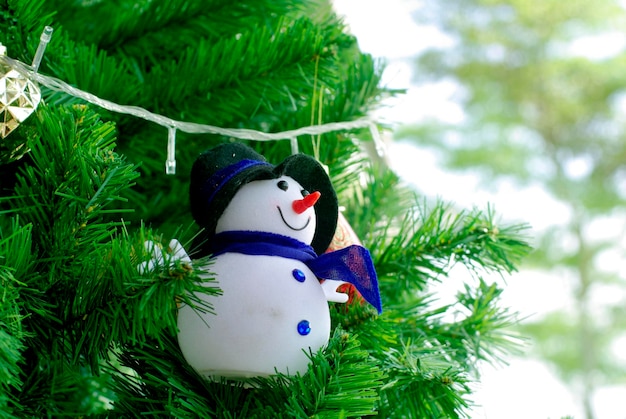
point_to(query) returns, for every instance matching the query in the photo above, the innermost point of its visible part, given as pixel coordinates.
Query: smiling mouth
(291, 227)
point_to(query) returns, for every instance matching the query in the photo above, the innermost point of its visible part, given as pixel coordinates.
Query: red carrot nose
(301, 205)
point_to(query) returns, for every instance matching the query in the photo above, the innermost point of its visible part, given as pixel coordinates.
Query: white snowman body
(273, 310)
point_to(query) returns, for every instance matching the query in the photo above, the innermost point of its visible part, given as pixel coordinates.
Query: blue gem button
(304, 328)
(298, 275)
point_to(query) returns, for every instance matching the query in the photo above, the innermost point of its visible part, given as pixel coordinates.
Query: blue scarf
(352, 264)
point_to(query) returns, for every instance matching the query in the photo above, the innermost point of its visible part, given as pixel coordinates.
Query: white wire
(189, 127)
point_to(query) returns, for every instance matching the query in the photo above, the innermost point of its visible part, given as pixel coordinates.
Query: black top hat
(217, 174)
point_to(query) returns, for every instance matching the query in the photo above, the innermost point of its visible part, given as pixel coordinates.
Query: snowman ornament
(266, 228)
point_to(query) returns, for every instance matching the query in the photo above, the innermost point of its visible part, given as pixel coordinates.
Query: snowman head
(232, 187)
(279, 206)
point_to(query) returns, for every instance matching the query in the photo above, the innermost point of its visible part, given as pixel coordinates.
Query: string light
(173, 125)
(170, 163)
(294, 145)
(44, 39)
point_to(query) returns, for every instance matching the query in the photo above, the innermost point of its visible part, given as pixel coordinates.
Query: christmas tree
(87, 333)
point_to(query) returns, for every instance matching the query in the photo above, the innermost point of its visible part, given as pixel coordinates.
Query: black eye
(283, 185)
(304, 192)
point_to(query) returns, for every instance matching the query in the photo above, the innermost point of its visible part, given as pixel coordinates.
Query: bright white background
(526, 388)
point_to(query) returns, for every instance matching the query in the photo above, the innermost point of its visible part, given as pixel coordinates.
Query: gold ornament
(19, 97)
(344, 237)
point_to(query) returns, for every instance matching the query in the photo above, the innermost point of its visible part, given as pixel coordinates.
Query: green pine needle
(85, 333)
